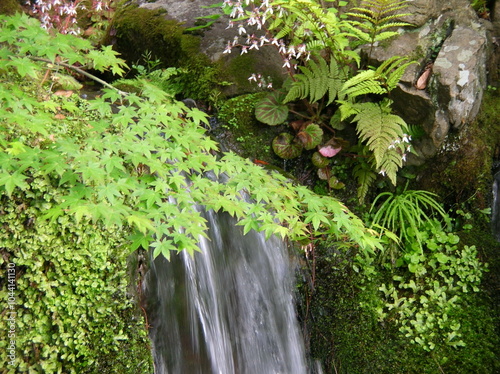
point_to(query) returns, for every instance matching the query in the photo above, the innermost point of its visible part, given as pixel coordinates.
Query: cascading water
(227, 309)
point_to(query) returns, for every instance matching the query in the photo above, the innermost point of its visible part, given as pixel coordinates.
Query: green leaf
(286, 146)
(141, 223)
(271, 110)
(12, 181)
(311, 136)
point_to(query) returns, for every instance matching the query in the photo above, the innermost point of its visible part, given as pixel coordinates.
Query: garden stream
(227, 309)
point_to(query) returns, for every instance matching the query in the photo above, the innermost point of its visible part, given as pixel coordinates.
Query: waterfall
(227, 309)
(495, 207)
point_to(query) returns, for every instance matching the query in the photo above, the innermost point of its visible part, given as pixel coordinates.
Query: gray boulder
(449, 37)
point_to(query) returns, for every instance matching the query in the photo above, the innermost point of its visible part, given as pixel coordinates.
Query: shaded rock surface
(213, 41)
(451, 38)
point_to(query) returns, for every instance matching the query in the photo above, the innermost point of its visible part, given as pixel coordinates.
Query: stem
(78, 70)
(297, 113)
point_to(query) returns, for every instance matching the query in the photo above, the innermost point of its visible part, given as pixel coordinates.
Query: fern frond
(385, 35)
(285, 31)
(377, 16)
(392, 70)
(395, 24)
(365, 82)
(315, 45)
(317, 79)
(378, 128)
(365, 176)
(390, 164)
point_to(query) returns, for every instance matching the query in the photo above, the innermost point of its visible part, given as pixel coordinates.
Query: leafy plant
(317, 80)
(405, 213)
(144, 166)
(317, 46)
(271, 110)
(425, 301)
(377, 16)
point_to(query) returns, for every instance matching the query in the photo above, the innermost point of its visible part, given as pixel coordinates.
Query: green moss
(73, 313)
(348, 338)
(136, 30)
(250, 138)
(10, 7)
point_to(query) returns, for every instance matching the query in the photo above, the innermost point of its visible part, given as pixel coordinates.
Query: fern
(377, 16)
(363, 83)
(317, 79)
(365, 175)
(380, 81)
(378, 128)
(391, 71)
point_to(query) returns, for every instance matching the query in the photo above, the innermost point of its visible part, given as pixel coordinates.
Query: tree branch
(80, 71)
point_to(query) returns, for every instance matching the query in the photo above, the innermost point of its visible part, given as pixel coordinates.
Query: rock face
(265, 61)
(449, 37)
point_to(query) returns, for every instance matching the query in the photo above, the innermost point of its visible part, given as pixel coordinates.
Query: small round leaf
(311, 136)
(271, 110)
(285, 146)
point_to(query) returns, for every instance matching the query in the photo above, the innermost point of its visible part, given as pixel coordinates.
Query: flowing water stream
(228, 309)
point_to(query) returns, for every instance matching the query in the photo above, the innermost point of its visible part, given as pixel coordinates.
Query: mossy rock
(241, 132)
(239, 68)
(464, 168)
(136, 30)
(10, 7)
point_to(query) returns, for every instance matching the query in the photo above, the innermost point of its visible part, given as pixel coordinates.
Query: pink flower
(329, 151)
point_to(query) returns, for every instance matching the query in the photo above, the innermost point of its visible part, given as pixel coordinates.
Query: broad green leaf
(271, 110)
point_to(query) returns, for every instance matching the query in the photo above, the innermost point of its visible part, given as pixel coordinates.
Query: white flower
(287, 63)
(301, 48)
(230, 25)
(244, 49)
(228, 48)
(382, 172)
(253, 77)
(403, 157)
(270, 85)
(255, 45)
(263, 40)
(282, 48)
(241, 29)
(252, 20)
(406, 138)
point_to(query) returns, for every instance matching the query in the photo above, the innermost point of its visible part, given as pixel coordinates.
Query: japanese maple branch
(80, 71)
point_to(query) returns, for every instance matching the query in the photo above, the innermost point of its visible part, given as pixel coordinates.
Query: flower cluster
(61, 15)
(399, 142)
(255, 20)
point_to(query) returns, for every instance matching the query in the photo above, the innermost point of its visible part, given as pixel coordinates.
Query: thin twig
(81, 71)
